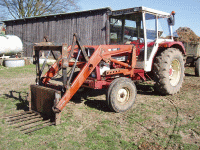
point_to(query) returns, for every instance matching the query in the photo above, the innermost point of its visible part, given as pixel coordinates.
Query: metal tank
(10, 44)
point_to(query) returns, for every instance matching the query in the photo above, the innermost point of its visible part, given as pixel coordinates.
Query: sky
(187, 11)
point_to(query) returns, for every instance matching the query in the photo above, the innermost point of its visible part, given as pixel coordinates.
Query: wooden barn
(90, 26)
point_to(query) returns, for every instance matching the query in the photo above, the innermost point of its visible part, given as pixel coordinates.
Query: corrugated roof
(50, 15)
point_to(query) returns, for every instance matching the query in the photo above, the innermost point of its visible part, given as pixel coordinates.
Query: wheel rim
(174, 72)
(123, 95)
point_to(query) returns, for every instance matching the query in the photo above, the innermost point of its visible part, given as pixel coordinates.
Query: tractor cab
(145, 28)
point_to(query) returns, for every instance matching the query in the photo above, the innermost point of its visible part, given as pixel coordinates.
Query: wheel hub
(174, 72)
(122, 95)
(170, 71)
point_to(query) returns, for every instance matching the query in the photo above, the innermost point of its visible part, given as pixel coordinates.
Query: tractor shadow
(98, 104)
(89, 96)
(21, 98)
(146, 89)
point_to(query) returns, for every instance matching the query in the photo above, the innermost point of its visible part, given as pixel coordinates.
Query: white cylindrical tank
(10, 44)
(14, 62)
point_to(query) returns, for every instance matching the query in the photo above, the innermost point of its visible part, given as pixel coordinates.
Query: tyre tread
(161, 73)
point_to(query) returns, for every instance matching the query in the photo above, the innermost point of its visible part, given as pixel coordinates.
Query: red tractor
(141, 46)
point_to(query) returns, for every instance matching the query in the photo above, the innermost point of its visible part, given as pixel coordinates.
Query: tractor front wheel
(169, 71)
(121, 94)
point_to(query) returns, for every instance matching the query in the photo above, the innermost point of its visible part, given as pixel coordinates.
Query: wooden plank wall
(90, 27)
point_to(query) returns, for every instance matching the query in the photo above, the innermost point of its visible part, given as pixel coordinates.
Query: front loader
(90, 60)
(136, 52)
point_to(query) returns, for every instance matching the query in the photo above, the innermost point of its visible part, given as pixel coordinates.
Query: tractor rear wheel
(169, 71)
(121, 94)
(197, 68)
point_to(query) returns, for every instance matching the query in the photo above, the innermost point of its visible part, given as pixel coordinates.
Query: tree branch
(30, 8)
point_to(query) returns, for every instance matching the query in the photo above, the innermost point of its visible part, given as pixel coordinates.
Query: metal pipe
(120, 63)
(73, 68)
(145, 42)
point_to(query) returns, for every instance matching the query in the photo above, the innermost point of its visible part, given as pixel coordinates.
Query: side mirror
(171, 19)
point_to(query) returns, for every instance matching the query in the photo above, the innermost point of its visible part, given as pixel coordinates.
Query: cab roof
(138, 9)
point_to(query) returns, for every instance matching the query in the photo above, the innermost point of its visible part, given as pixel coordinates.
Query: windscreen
(126, 29)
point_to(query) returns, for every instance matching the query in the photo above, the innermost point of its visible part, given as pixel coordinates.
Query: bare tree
(28, 8)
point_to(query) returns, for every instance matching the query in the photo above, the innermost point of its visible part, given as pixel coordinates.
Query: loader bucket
(41, 100)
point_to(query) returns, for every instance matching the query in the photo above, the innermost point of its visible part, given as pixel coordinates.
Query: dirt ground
(154, 122)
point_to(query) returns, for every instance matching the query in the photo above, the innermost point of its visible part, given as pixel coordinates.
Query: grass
(154, 122)
(7, 72)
